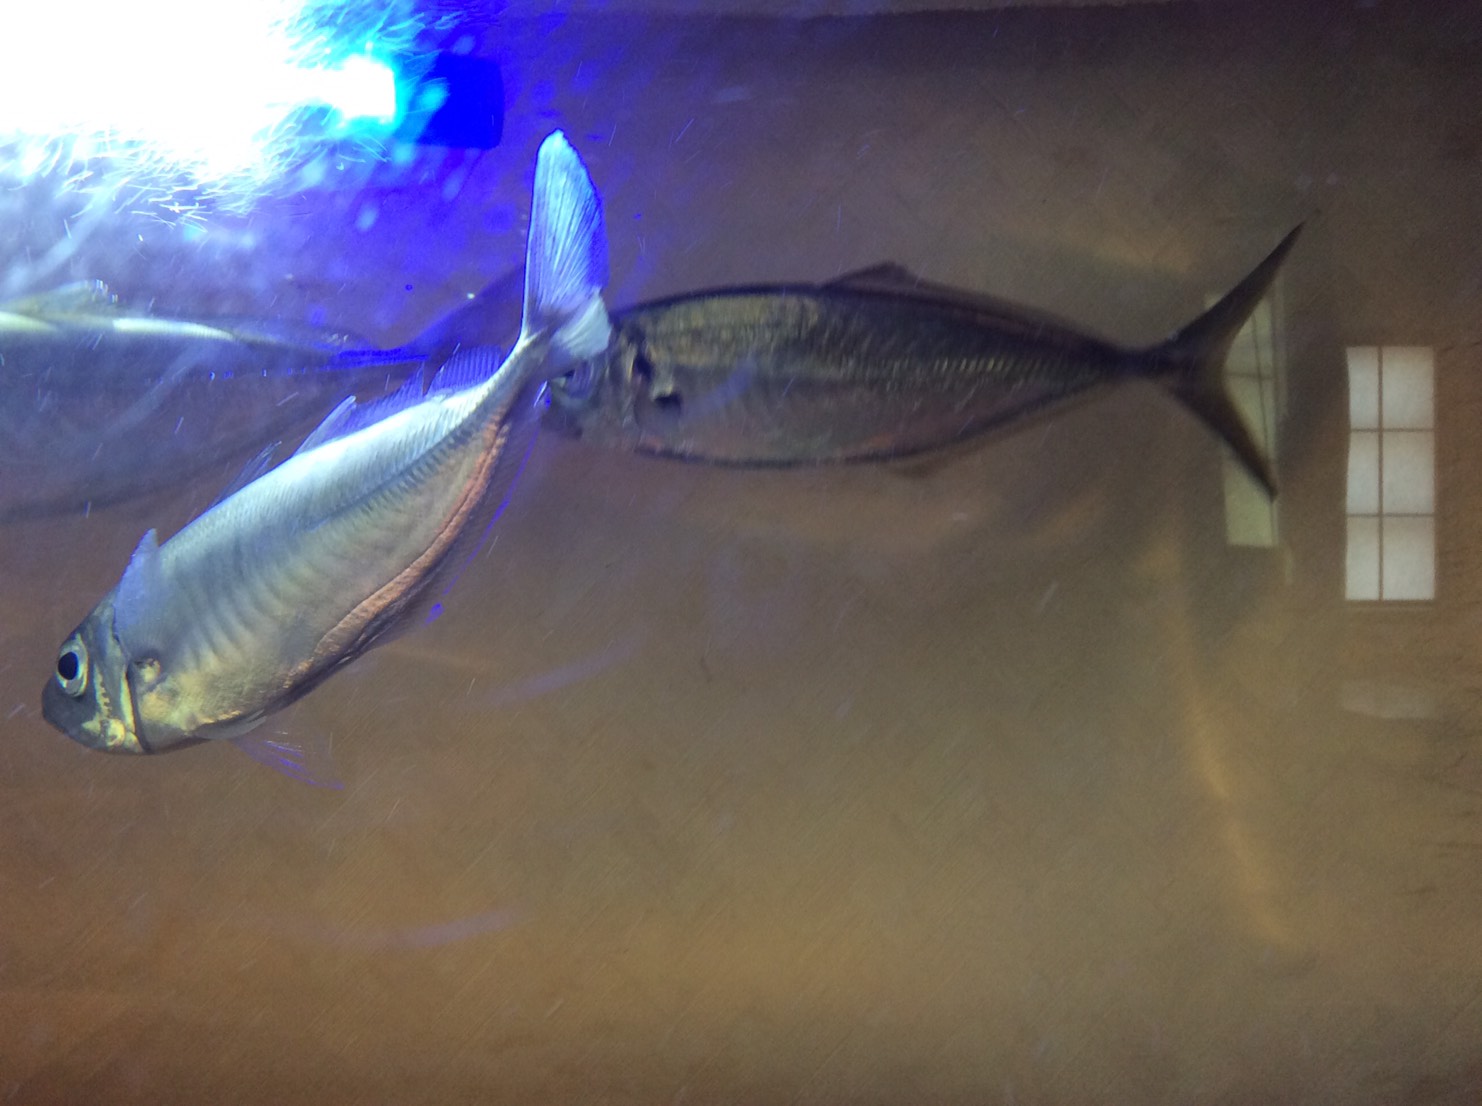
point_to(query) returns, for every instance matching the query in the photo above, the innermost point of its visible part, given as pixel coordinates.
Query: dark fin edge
(1196, 357)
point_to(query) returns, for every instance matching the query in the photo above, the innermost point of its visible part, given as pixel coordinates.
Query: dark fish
(100, 402)
(877, 364)
(310, 564)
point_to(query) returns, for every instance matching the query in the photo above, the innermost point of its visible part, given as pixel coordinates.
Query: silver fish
(69, 327)
(100, 402)
(264, 596)
(876, 364)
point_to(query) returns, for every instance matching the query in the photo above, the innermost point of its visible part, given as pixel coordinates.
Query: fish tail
(566, 259)
(1193, 363)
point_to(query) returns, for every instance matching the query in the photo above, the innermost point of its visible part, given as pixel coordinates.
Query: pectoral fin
(309, 761)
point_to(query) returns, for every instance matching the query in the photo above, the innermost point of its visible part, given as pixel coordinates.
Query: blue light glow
(361, 88)
(177, 94)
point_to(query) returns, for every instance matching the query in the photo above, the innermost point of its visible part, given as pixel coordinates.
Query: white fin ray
(332, 427)
(566, 258)
(463, 370)
(250, 472)
(466, 368)
(351, 416)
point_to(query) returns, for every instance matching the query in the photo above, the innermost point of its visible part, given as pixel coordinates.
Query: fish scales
(840, 338)
(827, 368)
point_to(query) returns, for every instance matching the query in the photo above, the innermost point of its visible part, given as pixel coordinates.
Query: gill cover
(89, 697)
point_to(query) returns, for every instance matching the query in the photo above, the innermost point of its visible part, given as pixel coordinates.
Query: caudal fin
(1195, 362)
(566, 259)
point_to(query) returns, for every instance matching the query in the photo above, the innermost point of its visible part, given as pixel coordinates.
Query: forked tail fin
(563, 278)
(566, 259)
(1194, 361)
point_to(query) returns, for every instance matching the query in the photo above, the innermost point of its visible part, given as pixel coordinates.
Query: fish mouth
(121, 741)
(102, 730)
(114, 730)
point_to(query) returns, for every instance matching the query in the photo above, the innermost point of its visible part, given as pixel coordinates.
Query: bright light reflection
(211, 93)
(361, 88)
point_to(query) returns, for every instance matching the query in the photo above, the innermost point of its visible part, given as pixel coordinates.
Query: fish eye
(574, 389)
(642, 371)
(580, 383)
(72, 667)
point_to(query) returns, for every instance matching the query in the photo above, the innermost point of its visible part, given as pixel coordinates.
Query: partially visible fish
(273, 589)
(876, 364)
(99, 402)
(68, 328)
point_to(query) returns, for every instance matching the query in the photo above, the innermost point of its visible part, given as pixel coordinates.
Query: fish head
(90, 697)
(595, 399)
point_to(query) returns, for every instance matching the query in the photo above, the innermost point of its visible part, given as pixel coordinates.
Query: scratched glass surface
(1057, 766)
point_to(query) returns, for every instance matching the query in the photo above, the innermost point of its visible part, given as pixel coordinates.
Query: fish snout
(88, 696)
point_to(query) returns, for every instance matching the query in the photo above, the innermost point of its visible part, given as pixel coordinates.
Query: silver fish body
(877, 364)
(261, 598)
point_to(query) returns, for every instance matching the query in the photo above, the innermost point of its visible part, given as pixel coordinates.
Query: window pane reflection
(1407, 546)
(1363, 473)
(1391, 474)
(1363, 388)
(1407, 387)
(1409, 472)
(1363, 558)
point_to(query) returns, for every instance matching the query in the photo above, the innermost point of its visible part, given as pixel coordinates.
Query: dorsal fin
(250, 472)
(288, 335)
(890, 278)
(886, 275)
(466, 368)
(137, 600)
(351, 416)
(69, 299)
(463, 370)
(331, 427)
(899, 280)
